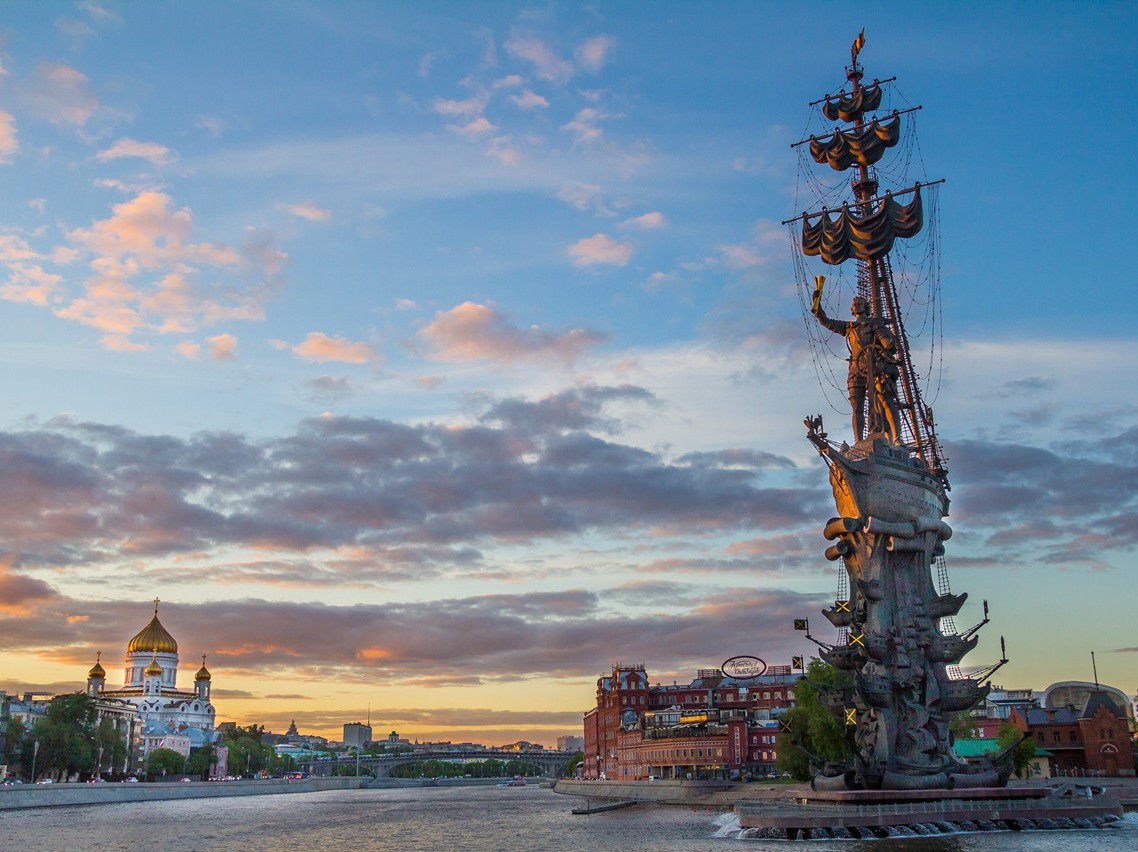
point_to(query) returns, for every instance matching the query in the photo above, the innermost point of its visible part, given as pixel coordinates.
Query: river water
(459, 818)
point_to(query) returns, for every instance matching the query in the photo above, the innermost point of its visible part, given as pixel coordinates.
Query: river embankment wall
(61, 795)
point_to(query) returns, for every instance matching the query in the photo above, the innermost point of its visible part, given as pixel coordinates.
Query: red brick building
(713, 727)
(1094, 741)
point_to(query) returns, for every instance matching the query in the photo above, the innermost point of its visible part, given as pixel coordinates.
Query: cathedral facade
(167, 717)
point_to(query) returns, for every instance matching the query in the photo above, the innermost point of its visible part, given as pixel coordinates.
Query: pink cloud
(584, 125)
(320, 348)
(8, 142)
(529, 100)
(309, 211)
(473, 332)
(157, 154)
(223, 347)
(647, 222)
(600, 249)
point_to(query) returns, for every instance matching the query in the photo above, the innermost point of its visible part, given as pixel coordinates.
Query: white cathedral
(168, 717)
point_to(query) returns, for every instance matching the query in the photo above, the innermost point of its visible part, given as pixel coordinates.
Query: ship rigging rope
(916, 262)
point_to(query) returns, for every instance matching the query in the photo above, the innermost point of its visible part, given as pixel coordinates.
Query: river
(458, 818)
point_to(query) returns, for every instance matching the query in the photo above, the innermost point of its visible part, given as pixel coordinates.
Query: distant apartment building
(713, 727)
(571, 744)
(357, 734)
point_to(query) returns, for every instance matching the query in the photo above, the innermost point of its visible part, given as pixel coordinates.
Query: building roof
(153, 637)
(979, 747)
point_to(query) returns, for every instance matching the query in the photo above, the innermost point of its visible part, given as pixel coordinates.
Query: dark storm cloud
(89, 494)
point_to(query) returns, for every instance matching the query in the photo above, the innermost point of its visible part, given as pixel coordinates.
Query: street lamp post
(35, 754)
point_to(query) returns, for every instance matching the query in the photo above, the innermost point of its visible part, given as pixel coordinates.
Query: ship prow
(875, 478)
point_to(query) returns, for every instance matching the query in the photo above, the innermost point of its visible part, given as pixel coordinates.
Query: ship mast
(875, 272)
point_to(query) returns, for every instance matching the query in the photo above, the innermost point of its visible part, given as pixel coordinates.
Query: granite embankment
(707, 793)
(59, 795)
(724, 794)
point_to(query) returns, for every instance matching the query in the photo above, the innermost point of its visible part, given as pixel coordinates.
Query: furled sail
(853, 106)
(863, 237)
(863, 145)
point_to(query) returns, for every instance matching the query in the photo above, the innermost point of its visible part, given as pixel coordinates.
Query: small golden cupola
(154, 669)
(201, 681)
(97, 671)
(153, 637)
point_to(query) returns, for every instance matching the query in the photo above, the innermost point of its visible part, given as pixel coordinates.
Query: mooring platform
(878, 813)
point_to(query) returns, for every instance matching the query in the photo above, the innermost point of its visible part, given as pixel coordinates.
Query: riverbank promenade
(61, 795)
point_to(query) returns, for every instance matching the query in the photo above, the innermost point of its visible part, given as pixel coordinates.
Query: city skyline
(434, 357)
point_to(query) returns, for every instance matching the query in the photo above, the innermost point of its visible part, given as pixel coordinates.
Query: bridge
(552, 763)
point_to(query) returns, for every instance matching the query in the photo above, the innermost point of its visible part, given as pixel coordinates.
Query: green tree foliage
(815, 726)
(1023, 753)
(575, 761)
(110, 748)
(199, 762)
(14, 743)
(66, 738)
(247, 754)
(164, 762)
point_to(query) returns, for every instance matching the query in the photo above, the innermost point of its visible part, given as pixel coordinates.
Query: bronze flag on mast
(858, 44)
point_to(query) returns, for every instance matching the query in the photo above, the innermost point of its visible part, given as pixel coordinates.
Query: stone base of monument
(893, 813)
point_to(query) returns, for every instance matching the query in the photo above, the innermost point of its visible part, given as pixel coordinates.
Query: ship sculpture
(896, 636)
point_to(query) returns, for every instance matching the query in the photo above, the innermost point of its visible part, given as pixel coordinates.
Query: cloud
(188, 349)
(59, 94)
(547, 65)
(9, 144)
(477, 127)
(223, 347)
(647, 222)
(157, 154)
(147, 275)
(593, 53)
(319, 348)
(100, 497)
(473, 332)
(309, 211)
(448, 641)
(469, 108)
(122, 343)
(600, 249)
(529, 100)
(584, 196)
(584, 125)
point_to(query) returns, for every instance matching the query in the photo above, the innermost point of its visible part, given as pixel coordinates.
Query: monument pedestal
(889, 813)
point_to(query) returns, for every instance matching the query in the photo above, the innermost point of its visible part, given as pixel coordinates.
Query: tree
(66, 737)
(110, 747)
(575, 761)
(163, 762)
(1023, 753)
(200, 760)
(815, 727)
(14, 743)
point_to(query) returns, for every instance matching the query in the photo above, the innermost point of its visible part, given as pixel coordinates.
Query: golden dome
(153, 637)
(153, 669)
(203, 672)
(97, 670)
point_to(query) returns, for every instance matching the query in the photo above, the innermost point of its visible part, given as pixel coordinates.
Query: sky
(426, 359)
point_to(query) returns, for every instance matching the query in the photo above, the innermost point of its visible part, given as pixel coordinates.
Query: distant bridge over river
(551, 763)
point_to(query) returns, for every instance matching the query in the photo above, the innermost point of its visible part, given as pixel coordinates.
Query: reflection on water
(461, 818)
